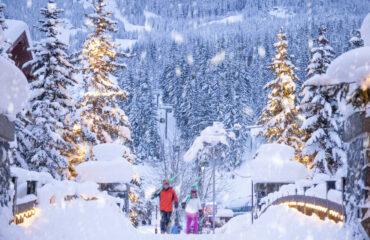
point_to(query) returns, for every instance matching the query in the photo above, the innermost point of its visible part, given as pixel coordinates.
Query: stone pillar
(357, 135)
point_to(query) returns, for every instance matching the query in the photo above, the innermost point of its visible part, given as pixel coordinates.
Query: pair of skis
(194, 187)
(157, 192)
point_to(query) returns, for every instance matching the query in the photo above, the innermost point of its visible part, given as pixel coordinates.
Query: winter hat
(193, 191)
(166, 182)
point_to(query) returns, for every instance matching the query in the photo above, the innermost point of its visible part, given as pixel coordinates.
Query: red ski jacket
(166, 198)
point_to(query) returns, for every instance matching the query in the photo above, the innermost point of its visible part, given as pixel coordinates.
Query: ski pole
(156, 219)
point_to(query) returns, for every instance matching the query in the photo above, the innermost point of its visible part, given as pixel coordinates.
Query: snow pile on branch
(273, 163)
(365, 30)
(211, 136)
(277, 224)
(14, 89)
(111, 167)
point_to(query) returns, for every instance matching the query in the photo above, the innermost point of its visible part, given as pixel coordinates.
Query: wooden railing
(311, 205)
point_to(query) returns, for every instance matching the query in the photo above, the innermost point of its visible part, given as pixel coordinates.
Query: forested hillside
(208, 58)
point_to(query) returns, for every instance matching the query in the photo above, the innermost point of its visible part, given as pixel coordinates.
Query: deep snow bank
(281, 222)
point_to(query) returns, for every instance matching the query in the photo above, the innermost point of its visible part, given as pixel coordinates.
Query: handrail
(334, 210)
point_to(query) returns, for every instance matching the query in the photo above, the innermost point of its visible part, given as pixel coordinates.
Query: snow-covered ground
(98, 220)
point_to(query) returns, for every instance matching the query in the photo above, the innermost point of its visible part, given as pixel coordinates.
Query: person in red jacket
(166, 199)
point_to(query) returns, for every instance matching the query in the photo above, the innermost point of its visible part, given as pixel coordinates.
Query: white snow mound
(109, 151)
(345, 68)
(273, 163)
(118, 171)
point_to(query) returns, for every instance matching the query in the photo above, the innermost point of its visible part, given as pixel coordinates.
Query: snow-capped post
(209, 138)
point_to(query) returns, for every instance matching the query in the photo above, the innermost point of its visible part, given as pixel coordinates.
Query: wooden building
(18, 41)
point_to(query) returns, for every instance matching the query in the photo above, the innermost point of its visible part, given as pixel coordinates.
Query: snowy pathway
(78, 221)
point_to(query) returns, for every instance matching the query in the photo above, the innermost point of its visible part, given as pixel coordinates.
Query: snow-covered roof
(365, 30)
(14, 89)
(14, 29)
(24, 175)
(273, 163)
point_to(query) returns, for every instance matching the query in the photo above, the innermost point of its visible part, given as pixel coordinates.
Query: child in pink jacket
(193, 206)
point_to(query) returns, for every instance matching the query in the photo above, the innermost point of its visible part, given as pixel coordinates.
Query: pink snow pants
(192, 217)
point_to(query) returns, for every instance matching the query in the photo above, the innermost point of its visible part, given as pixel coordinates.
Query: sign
(209, 208)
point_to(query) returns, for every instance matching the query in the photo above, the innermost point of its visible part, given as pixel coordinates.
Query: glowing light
(19, 218)
(332, 213)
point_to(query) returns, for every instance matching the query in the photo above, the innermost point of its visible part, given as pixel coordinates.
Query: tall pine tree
(280, 116)
(323, 147)
(100, 110)
(49, 100)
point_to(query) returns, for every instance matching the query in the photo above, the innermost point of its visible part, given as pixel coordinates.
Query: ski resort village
(184, 119)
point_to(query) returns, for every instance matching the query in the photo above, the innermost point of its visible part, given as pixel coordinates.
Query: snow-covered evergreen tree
(280, 116)
(24, 140)
(99, 107)
(80, 137)
(143, 118)
(321, 55)
(323, 147)
(356, 40)
(49, 101)
(3, 26)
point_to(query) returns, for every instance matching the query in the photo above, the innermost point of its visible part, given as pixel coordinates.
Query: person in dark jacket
(167, 197)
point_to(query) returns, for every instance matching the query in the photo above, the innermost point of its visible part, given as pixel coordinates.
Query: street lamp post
(214, 190)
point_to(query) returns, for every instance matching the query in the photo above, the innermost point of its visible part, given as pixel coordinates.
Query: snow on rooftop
(14, 89)
(15, 29)
(273, 163)
(26, 175)
(365, 30)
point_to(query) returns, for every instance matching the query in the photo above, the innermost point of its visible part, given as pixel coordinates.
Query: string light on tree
(280, 117)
